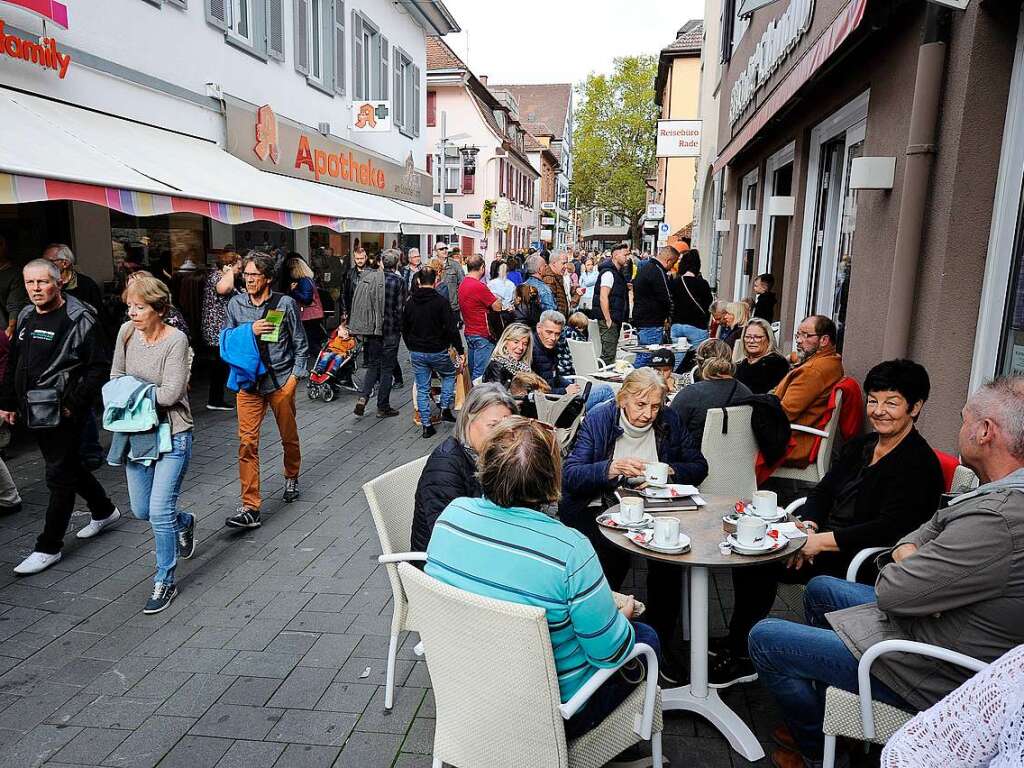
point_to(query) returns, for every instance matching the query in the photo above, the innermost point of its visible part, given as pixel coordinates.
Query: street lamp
(468, 154)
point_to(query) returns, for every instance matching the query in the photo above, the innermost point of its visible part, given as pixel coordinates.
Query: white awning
(441, 220)
(45, 140)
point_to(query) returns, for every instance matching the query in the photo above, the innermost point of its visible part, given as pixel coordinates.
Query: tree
(614, 140)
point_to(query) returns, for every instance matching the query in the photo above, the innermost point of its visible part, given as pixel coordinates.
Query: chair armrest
(900, 646)
(573, 705)
(795, 505)
(859, 559)
(808, 430)
(403, 557)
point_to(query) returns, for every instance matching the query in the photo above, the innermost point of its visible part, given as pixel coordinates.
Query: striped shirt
(526, 557)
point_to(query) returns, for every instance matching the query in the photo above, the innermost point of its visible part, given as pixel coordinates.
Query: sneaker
(161, 598)
(291, 489)
(383, 413)
(244, 518)
(212, 407)
(429, 431)
(360, 408)
(96, 526)
(187, 540)
(727, 669)
(447, 415)
(36, 562)
(671, 674)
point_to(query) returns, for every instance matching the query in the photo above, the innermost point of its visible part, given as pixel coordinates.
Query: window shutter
(217, 13)
(179, 3)
(501, 177)
(275, 29)
(385, 73)
(301, 8)
(339, 46)
(414, 108)
(398, 90)
(431, 109)
(468, 183)
(430, 164)
(357, 57)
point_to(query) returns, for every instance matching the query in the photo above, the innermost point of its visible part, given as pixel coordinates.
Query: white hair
(46, 264)
(1002, 402)
(64, 253)
(552, 316)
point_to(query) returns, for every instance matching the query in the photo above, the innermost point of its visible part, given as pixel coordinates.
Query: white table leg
(697, 697)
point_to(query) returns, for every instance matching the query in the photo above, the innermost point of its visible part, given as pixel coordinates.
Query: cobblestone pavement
(272, 655)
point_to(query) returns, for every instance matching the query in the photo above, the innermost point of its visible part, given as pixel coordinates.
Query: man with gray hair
(535, 267)
(545, 361)
(381, 347)
(956, 582)
(82, 287)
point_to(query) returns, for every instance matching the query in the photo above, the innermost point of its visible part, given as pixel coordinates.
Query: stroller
(335, 364)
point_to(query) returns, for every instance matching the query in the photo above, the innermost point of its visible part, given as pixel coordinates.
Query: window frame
(314, 22)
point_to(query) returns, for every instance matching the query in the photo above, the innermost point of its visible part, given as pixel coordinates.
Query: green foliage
(488, 215)
(614, 139)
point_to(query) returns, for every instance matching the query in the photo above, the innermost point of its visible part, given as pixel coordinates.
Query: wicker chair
(392, 498)
(729, 446)
(814, 472)
(594, 336)
(496, 688)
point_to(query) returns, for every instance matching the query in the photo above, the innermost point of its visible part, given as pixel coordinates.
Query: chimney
(483, 80)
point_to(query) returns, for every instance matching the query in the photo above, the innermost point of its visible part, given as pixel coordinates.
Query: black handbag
(42, 408)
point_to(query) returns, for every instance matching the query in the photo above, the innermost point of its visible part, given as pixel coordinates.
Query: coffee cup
(631, 509)
(750, 530)
(766, 503)
(666, 531)
(656, 472)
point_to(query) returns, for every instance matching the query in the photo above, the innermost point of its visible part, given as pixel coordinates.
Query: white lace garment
(981, 723)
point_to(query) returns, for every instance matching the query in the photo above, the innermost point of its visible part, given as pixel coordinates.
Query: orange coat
(804, 393)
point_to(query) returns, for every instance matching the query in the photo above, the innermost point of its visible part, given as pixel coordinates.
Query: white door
(745, 237)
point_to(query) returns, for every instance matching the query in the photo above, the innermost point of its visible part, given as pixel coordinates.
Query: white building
(707, 198)
(486, 177)
(150, 136)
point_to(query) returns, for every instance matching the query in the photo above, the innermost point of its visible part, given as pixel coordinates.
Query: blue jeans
(647, 336)
(423, 363)
(691, 333)
(479, 350)
(797, 662)
(153, 492)
(598, 394)
(612, 692)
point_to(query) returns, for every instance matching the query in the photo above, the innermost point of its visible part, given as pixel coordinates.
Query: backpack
(768, 422)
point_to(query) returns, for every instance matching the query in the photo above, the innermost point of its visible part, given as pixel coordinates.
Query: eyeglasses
(757, 339)
(252, 274)
(802, 335)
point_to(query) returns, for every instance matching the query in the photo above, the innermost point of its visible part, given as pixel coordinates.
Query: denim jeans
(612, 692)
(479, 350)
(691, 333)
(598, 394)
(423, 363)
(797, 662)
(647, 336)
(153, 492)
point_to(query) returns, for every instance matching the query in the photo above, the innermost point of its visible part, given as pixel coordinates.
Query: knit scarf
(512, 366)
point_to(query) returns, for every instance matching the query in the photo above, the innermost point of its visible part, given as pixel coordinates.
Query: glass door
(745, 237)
(847, 229)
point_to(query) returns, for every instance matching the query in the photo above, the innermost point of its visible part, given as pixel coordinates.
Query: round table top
(704, 527)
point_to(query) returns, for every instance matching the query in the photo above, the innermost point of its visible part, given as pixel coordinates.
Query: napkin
(789, 531)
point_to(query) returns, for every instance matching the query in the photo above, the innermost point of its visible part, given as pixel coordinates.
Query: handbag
(315, 310)
(42, 408)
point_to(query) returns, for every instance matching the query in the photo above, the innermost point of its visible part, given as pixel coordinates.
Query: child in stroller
(334, 366)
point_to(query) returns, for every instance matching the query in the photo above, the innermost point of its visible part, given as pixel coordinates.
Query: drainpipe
(924, 119)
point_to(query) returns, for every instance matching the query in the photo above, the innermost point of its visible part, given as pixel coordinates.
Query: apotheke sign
(772, 49)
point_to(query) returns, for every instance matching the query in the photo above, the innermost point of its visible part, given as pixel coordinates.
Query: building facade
(870, 158)
(704, 213)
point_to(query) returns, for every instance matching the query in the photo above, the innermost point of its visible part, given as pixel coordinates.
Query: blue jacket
(547, 298)
(129, 405)
(585, 472)
(239, 350)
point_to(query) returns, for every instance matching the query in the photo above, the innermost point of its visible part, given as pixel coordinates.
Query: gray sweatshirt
(290, 354)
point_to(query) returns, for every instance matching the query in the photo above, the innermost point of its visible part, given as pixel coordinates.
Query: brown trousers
(252, 408)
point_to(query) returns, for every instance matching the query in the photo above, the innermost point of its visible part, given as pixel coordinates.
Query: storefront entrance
(746, 235)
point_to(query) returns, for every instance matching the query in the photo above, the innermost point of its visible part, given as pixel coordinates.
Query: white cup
(656, 472)
(631, 509)
(682, 342)
(750, 530)
(766, 503)
(666, 531)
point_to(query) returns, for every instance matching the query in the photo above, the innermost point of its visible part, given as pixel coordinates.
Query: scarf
(512, 366)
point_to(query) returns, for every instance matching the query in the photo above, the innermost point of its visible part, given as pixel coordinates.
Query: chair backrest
(964, 480)
(730, 449)
(550, 407)
(594, 335)
(392, 500)
(827, 444)
(493, 675)
(948, 463)
(583, 358)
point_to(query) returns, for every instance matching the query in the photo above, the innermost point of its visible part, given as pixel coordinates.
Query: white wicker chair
(392, 499)
(496, 688)
(594, 336)
(550, 407)
(964, 480)
(728, 445)
(814, 472)
(584, 360)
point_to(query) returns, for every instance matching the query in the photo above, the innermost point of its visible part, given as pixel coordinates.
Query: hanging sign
(43, 52)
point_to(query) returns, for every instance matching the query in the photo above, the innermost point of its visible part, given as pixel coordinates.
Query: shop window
(452, 172)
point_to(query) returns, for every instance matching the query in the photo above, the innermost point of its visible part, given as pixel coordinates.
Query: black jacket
(428, 324)
(891, 499)
(652, 299)
(687, 310)
(764, 306)
(618, 297)
(764, 375)
(496, 373)
(545, 365)
(448, 474)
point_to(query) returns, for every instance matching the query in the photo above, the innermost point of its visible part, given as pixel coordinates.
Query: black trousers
(66, 476)
(218, 380)
(380, 358)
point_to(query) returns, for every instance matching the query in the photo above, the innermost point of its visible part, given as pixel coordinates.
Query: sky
(558, 41)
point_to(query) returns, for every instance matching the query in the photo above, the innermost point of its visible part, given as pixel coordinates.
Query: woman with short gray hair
(450, 472)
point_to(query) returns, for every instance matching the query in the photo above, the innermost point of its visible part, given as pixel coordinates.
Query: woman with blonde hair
(762, 366)
(716, 387)
(734, 318)
(512, 354)
(299, 283)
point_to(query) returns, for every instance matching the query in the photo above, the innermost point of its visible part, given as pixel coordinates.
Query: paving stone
(115, 712)
(327, 603)
(123, 675)
(302, 689)
(196, 696)
(250, 691)
(293, 642)
(305, 727)
(196, 752)
(420, 738)
(308, 756)
(256, 635)
(396, 720)
(412, 761)
(36, 707)
(235, 722)
(160, 684)
(251, 754)
(309, 621)
(209, 660)
(346, 697)
(91, 745)
(330, 651)
(370, 750)
(262, 664)
(354, 669)
(37, 746)
(150, 742)
(210, 637)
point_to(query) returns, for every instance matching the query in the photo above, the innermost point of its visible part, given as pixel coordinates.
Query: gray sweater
(290, 354)
(165, 364)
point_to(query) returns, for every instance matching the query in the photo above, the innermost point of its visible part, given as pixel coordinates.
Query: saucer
(667, 491)
(780, 514)
(766, 546)
(616, 523)
(645, 539)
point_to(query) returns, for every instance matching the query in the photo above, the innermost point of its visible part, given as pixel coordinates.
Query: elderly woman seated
(715, 388)
(615, 443)
(450, 472)
(883, 485)
(503, 546)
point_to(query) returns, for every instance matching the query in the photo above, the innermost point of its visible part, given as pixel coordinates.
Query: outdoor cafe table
(704, 527)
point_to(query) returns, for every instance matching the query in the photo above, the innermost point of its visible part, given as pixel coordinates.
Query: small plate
(645, 539)
(614, 522)
(670, 491)
(767, 545)
(780, 514)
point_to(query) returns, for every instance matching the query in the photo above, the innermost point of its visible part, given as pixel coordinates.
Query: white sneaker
(36, 562)
(95, 526)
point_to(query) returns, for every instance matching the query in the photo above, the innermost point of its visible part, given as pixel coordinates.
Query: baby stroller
(334, 366)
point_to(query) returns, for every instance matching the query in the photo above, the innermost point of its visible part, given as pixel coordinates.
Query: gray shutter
(398, 103)
(301, 12)
(339, 46)
(414, 108)
(275, 29)
(217, 13)
(357, 57)
(179, 3)
(385, 72)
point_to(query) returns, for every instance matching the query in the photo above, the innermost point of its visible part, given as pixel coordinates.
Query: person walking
(282, 348)
(217, 292)
(377, 316)
(12, 290)
(652, 300)
(691, 300)
(452, 277)
(429, 330)
(588, 282)
(149, 350)
(535, 267)
(409, 270)
(476, 298)
(55, 370)
(613, 293)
